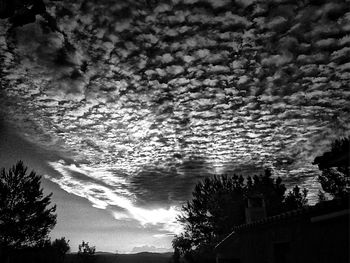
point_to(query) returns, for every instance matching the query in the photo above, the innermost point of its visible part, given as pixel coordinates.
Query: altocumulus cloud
(148, 97)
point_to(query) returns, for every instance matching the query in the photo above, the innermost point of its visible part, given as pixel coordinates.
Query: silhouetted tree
(296, 198)
(217, 205)
(86, 253)
(60, 247)
(25, 216)
(271, 189)
(176, 256)
(182, 244)
(335, 165)
(53, 252)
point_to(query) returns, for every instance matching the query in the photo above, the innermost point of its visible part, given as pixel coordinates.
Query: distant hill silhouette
(143, 257)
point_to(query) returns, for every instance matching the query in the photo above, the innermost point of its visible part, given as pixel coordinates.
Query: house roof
(320, 211)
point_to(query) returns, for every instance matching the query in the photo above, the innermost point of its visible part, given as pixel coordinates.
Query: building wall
(291, 241)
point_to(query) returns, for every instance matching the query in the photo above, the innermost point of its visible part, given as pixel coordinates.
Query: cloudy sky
(127, 104)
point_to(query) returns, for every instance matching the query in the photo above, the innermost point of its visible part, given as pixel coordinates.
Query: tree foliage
(271, 189)
(296, 198)
(61, 247)
(61, 244)
(218, 204)
(86, 253)
(53, 252)
(335, 165)
(176, 256)
(25, 216)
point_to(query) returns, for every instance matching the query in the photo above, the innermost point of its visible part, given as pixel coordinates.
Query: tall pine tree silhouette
(25, 216)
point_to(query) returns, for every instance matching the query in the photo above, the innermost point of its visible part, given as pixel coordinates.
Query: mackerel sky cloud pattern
(147, 97)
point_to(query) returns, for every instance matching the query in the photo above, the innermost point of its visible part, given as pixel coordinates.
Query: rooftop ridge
(323, 207)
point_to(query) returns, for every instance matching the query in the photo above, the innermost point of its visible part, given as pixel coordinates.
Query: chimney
(255, 208)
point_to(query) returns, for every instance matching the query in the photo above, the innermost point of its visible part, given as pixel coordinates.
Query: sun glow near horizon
(119, 201)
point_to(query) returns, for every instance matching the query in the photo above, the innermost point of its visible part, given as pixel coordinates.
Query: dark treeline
(53, 252)
(26, 219)
(219, 203)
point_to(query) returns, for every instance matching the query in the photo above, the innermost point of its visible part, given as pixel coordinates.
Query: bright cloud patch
(106, 191)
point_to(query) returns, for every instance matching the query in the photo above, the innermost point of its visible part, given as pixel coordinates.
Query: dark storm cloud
(155, 186)
(138, 87)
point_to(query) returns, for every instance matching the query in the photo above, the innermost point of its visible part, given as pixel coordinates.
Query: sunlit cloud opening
(103, 197)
